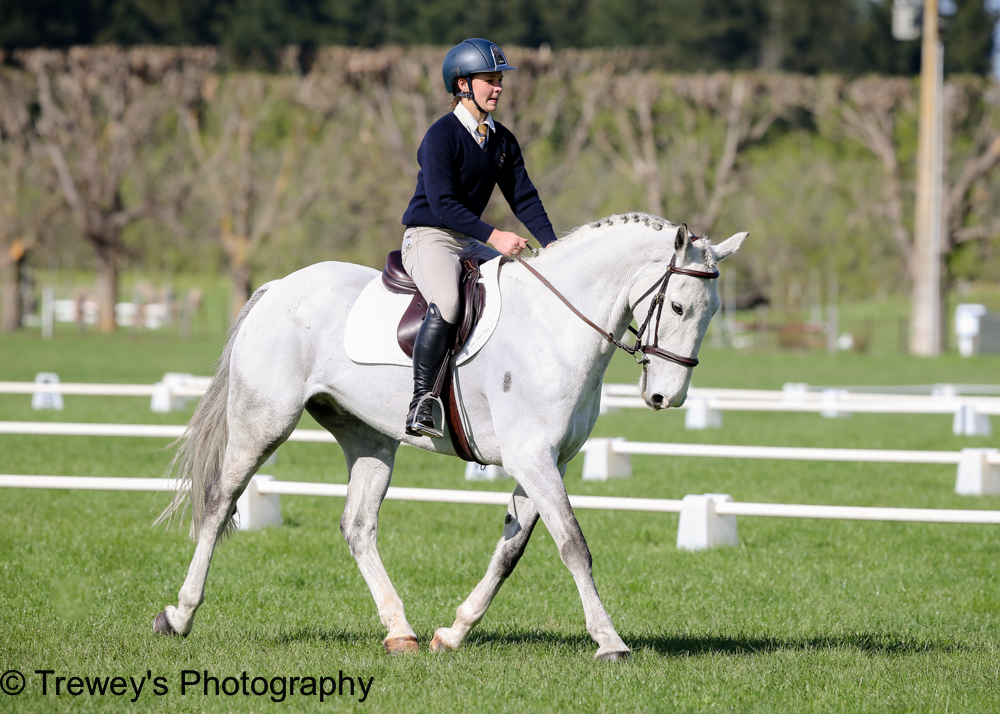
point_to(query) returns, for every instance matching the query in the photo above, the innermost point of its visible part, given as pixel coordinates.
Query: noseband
(637, 350)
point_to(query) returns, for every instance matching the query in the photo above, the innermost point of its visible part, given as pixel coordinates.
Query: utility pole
(925, 318)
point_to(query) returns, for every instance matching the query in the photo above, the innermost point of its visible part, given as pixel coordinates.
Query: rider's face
(487, 88)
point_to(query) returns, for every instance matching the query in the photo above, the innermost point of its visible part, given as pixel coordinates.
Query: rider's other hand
(507, 243)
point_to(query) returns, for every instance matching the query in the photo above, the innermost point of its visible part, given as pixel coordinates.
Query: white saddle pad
(370, 335)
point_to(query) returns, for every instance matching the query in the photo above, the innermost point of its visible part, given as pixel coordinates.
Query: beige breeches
(433, 258)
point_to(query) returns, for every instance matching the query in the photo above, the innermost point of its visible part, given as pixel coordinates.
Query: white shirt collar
(469, 121)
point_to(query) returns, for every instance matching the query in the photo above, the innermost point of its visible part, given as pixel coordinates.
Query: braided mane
(649, 220)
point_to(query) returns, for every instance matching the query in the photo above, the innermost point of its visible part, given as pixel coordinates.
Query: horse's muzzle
(656, 401)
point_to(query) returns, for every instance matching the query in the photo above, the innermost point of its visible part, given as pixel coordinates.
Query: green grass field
(817, 615)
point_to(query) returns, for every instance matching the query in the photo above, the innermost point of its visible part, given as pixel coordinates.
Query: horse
(531, 395)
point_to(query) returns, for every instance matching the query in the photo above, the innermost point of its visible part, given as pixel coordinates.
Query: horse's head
(677, 312)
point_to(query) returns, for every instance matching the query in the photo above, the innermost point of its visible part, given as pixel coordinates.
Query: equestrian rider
(462, 157)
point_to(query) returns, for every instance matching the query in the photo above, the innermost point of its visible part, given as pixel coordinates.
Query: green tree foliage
(841, 36)
(259, 174)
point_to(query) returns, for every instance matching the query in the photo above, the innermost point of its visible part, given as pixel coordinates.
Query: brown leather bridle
(637, 350)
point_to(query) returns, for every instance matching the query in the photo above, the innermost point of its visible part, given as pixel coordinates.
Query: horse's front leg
(543, 484)
(517, 526)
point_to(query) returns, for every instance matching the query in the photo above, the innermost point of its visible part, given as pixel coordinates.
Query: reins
(637, 350)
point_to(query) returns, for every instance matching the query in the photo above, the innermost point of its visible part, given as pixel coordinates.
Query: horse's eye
(676, 308)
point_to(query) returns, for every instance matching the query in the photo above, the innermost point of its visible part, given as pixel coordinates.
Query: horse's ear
(729, 246)
(682, 242)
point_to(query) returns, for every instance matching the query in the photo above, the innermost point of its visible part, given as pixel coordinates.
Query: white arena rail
(97, 390)
(166, 431)
(978, 469)
(171, 393)
(705, 520)
(704, 407)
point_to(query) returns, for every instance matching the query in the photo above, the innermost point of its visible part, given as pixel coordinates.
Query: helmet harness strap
(470, 94)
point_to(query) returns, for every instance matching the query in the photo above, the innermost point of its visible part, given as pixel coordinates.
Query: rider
(462, 157)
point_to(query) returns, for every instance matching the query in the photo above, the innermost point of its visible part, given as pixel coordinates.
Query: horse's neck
(595, 272)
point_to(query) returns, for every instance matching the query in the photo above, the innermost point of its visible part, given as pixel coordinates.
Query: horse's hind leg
(370, 457)
(517, 526)
(246, 451)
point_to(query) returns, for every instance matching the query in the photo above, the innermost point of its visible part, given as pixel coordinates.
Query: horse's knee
(574, 551)
(359, 532)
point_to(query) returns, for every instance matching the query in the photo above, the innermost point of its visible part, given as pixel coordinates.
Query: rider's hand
(507, 243)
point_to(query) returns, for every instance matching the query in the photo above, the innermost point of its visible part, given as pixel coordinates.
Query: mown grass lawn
(817, 615)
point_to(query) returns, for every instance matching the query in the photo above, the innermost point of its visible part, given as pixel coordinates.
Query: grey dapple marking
(532, 396)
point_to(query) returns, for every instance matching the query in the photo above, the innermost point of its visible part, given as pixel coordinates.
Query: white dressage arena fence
(169, 394)
(704, 407)
(969, 404)
(706, 521)
(978, 469)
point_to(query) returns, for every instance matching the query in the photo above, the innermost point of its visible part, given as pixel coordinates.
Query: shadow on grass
(879, 643)
(869, 642)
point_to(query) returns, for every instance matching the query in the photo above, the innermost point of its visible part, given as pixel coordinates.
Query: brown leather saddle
(472, 301)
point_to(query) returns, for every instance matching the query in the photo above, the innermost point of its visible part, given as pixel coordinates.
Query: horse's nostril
(657, 400)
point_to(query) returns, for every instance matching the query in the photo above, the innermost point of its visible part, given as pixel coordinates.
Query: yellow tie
(483, 132)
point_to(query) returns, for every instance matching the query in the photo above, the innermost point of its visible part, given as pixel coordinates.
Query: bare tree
(26, 190)
(258, 186)
(99, 107)
(695, 125)
(554, 100)
(14, 161)
(870, 111)
(968, 212)
(867, 111)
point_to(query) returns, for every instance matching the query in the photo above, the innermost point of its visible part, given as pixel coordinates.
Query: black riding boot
(428, 353)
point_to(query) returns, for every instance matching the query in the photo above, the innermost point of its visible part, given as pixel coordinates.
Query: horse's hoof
(439, 645)
(162, 626)
(399, 645)
(619, 656)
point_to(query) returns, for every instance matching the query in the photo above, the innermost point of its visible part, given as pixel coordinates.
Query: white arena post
(256, 510)
(601, 461)
(478, 472)
(46, 399)
(701, 527)
(969, 422)
(604, 408)
(791, 391)
(164, 398)
(831, 403)
(976, 475)
(699, 415)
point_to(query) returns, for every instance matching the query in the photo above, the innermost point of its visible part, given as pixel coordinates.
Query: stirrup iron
(433, 432)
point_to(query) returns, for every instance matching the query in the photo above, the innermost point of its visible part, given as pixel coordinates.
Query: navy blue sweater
(457, 178)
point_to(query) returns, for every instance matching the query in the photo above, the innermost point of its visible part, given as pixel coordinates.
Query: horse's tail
(201, 450)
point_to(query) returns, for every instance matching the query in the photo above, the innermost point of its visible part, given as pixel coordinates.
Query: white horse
(532, 396)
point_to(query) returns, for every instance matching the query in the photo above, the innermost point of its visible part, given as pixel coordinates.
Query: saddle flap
(473, 299)
(409, 324)
(394, 275)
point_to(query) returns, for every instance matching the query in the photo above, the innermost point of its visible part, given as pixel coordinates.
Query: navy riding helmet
(471, 57)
